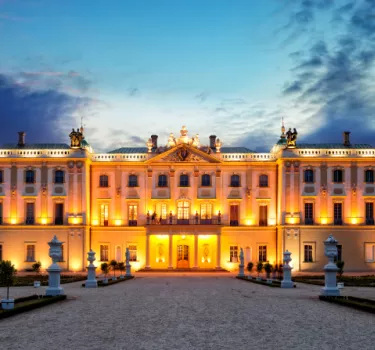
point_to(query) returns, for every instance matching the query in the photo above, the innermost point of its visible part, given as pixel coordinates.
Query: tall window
(233, 253)
(338, 176)
(133, 214)
(163, 213)
(133, 181)
(337, 213)
(309, 176)
(308, 253)
(59, 213)
(1, 176)
(263, 181)
(30, 252)
(104, 215)
(30, 213)
(370, 252)
(369, 176)
(309, 213)
(233, 215)
(263, 215)
(262, 253)
(1, 252)
(184, 180)
(133, 252)
(30, 176)
(183, 212)
(104, 252)
(206, 213)
(235, 181)
(369, 213)
(162, 181)
(1, 213)
(59, 177)
(103, 181)
(206, 180)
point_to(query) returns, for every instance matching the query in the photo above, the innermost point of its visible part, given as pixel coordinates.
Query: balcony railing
(233, 222)
(132, 222)
(337, 221)
(59, 221)
(176, 221)
(30, 220)
(370, 221)
(309, 221)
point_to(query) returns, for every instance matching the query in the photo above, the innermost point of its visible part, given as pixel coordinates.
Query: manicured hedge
(276, 284)
(353, 302)
(110, 282)
(26, 281)
(349, 281)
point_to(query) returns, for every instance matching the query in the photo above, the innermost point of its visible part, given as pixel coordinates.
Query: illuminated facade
(188, 206)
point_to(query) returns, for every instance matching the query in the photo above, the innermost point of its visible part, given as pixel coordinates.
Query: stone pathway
(189, 312)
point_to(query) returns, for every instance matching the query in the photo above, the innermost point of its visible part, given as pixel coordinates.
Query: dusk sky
(232, 68)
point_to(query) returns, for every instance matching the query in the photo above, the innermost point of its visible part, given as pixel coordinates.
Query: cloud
(202, 96)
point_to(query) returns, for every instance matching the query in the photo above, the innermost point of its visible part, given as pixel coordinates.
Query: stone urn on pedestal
(241, 266)
(330, 270)
(127, 264)
(287, 271)
(91, 281)
(54, 271)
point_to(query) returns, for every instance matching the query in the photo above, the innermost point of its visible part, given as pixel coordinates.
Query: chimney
(21, 138)
(346, 135)
(212, 141)
(154, 139)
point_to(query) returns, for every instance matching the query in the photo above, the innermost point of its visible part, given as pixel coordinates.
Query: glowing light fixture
(324, 221)
(354, 221)
(95, 222)
(118, 222)
(13, 221)
(43, 221)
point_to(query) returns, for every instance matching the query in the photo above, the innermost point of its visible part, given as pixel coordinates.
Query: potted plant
(268, 269)
(250, 266)
(121, 267)
(259, 269)
(36, 268)
(113, 264)
(280, 272)
(275, 271)
(7, 273)
(340, 266)
(105, 269)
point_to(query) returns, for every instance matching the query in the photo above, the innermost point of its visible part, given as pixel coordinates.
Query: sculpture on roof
(171, 140)
(76, 138)
(291, 138)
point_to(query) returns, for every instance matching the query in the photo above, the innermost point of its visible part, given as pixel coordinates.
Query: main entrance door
(182, 256)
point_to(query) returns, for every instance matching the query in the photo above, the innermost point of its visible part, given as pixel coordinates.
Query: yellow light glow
(249, 222)
(162, 236)
(76, 266)
(183, 236)
(95, 222)
(291, 220)
(204, 236)
(13, 221)
(324, 221)
(354, 221)
(43, 221)
(118, 222)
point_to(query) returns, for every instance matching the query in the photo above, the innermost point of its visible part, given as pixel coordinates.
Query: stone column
(127, 264)
(218, 252)
(170, 263)
(241, 266)
(196, 237)
(91, 281)
(287, 272)
(54, 270)
(148, 251)
(330, 270)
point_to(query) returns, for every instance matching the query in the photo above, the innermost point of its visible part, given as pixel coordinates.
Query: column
(218, 252)
(170, 266)
(196, 237)
(148, 251)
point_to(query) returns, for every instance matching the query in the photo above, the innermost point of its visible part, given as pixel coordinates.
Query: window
(263, 215)
(1, 213)
(1, 252)
(30, 252)
(308, 253)
(206, 180)
(104, 215)
(337, 176)
(133, 252)
(59, 213)
(337, 213)
(309, 176)
(103, 181)
(133, 215)
(59, 177)
(233, 253)
(262, 253)
(233, 215)
(162, 181)
(30, 213)
(62, 253)
(183, 212)
(184, 180)
(133, 181)
(1, 176)
(263, 181)
(309, 213)
(104, 252)
(369, 176)
(30, 176)
(369, 213)
(339, 253)
(235, 181)
(370, 252)
(206, 213)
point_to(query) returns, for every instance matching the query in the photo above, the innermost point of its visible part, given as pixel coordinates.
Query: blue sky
(233, 68)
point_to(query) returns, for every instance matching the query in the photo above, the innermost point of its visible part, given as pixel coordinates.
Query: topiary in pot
(259, 267)
(36, 268)
(268, 268)
(105, 269)
(121, 267)
(275, 271)
(113, 264)
(250, 266)
(7, 273)
(340, 266)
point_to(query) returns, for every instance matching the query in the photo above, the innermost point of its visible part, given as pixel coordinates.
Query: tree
(268, 268)
(105, 269)
(259, 267)
(250, 266)
(36, 267)
(340, 266)
(113, 264)
(121, 267)
(7, 273)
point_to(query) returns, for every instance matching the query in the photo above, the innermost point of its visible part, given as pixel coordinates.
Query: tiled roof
(127, 150)
(35, 146)
(332, 146)
(235, 150)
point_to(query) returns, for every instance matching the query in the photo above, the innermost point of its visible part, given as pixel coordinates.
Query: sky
(233, 68)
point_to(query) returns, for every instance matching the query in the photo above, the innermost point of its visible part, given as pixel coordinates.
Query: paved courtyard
(189, 312)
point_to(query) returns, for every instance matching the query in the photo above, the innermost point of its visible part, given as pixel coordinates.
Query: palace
(187, 206)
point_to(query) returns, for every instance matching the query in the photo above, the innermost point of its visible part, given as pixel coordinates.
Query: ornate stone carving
(248, 192)
(323, 190)
(76, 138)
(183, 155)
(291, 138)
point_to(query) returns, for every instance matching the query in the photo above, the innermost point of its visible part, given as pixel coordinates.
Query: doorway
(182, 256)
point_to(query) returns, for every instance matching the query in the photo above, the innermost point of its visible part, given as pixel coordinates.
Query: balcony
(309, 221)
(233, 223)
(176, 221)
(30, 220)
(132, 222)
(370, 221)
(337, 221)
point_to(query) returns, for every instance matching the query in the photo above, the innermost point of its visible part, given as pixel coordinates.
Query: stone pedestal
(287, 272)
(91, 281)
(241, 272)
(54, 271)
(7, 304)
(127, 264)
(330, 270)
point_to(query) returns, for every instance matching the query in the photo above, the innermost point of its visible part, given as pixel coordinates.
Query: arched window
(103, 181)
(369, 176)
(337, 176)
(133, 181)
(59, 177)
(30, 177)
(309, 176)
(184, 180)
(235, 181)
(206, 180)
(263, 181)
(162, 181)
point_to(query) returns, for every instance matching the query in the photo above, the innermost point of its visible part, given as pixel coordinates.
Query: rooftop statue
(291, 138)
(75, 138)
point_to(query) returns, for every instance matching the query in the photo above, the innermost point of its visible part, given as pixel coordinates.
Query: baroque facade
(188, 206)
